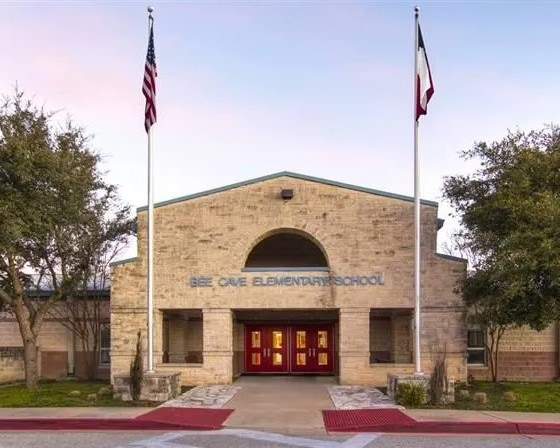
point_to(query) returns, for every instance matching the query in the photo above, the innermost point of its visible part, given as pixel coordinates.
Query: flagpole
(417, 359)
(150, 310)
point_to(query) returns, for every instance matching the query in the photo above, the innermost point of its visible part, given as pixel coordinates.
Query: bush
(411, 394)
(438, 379)
(136, 371)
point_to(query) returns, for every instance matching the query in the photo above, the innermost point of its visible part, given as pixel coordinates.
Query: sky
(250, 88)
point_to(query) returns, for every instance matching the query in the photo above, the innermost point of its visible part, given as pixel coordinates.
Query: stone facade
(155, 387)
(11, 364)
(361, 232)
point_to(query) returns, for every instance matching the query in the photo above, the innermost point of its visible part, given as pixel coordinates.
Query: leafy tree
(57, 215)
(510, 214)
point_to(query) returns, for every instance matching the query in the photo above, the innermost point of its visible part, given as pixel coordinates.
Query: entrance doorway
(289, 348)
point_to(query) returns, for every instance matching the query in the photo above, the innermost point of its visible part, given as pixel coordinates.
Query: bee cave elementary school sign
(300, 280)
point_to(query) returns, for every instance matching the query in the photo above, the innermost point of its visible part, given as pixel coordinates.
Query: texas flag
(424, 84)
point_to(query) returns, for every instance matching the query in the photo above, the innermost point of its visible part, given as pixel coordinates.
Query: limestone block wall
(11, 364)
(360, 234)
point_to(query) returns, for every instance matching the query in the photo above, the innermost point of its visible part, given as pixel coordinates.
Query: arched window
(286, 250)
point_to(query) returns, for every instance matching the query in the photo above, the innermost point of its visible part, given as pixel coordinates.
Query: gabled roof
(294, 176)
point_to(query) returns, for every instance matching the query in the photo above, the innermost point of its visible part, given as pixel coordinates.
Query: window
(286, 250)
(390, 336)
(476, 350)
(105, 344)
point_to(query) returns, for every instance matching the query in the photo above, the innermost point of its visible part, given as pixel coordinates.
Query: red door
(266, 349)
(312, 349)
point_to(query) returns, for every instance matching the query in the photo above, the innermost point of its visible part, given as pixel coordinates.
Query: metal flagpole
(417, 360)
(150, 238)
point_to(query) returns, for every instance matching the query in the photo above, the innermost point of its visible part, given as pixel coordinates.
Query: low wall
(155, 386)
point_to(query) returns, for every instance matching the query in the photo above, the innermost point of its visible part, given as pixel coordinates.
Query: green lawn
(57, 394)
(531, 397)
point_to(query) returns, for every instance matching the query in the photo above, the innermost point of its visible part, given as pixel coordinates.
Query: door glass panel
(301, 340)
(322, 340)
(256, 359)
(276, 339)
(323, 359)
(277, 359)
(300, 359)
(255, 339)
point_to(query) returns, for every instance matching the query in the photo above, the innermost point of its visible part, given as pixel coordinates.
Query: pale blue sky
(247, 89)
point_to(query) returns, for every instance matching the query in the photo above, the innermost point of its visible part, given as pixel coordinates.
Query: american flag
(149, 84)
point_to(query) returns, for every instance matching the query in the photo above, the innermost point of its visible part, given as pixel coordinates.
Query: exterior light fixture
(286, 194)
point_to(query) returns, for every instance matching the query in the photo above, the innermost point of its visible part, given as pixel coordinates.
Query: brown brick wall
(54, 364)
(522, 366)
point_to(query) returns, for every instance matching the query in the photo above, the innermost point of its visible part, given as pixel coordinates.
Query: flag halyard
(424, 83)
(149, 83)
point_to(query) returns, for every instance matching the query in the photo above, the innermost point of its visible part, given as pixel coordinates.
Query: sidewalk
(289, 405)
(440, 415)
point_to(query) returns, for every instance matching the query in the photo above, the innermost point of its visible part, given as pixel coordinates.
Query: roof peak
(292, 175)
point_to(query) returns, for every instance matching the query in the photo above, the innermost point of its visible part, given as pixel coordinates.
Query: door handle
(309, 352)
(314, 353)
(268, 350)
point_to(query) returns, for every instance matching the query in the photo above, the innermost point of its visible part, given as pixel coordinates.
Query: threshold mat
(194, 418)
(363, 419)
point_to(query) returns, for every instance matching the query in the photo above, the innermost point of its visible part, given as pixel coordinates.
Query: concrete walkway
(291, 405)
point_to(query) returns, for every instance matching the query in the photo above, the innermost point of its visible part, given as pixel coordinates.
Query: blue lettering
(200, 282)
(257, 281)
(372, 280)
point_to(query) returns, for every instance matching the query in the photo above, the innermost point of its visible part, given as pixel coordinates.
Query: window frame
(104, 349)
(476, 348)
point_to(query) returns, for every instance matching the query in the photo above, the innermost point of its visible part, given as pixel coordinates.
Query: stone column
(354, 345)
(217, 345)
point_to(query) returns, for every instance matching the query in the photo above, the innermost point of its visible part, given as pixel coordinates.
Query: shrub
(136, 371)
(438, 379)
(411, 394)
(481, 397)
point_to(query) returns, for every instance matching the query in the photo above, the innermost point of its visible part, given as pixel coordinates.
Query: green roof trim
(452, 258)
(125, 261)
(292, 175)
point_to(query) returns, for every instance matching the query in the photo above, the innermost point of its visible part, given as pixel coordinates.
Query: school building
(291, 274)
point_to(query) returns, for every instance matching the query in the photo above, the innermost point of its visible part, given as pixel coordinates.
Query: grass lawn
(57, 394)
(530, 397)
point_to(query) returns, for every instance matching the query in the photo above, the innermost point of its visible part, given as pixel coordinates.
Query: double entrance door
(289, 348)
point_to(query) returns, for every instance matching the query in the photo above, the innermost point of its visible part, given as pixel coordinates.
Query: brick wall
(525, 354)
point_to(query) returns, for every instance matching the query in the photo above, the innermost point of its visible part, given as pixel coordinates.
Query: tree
(86, 313)
(57, 214)
(509, 210)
